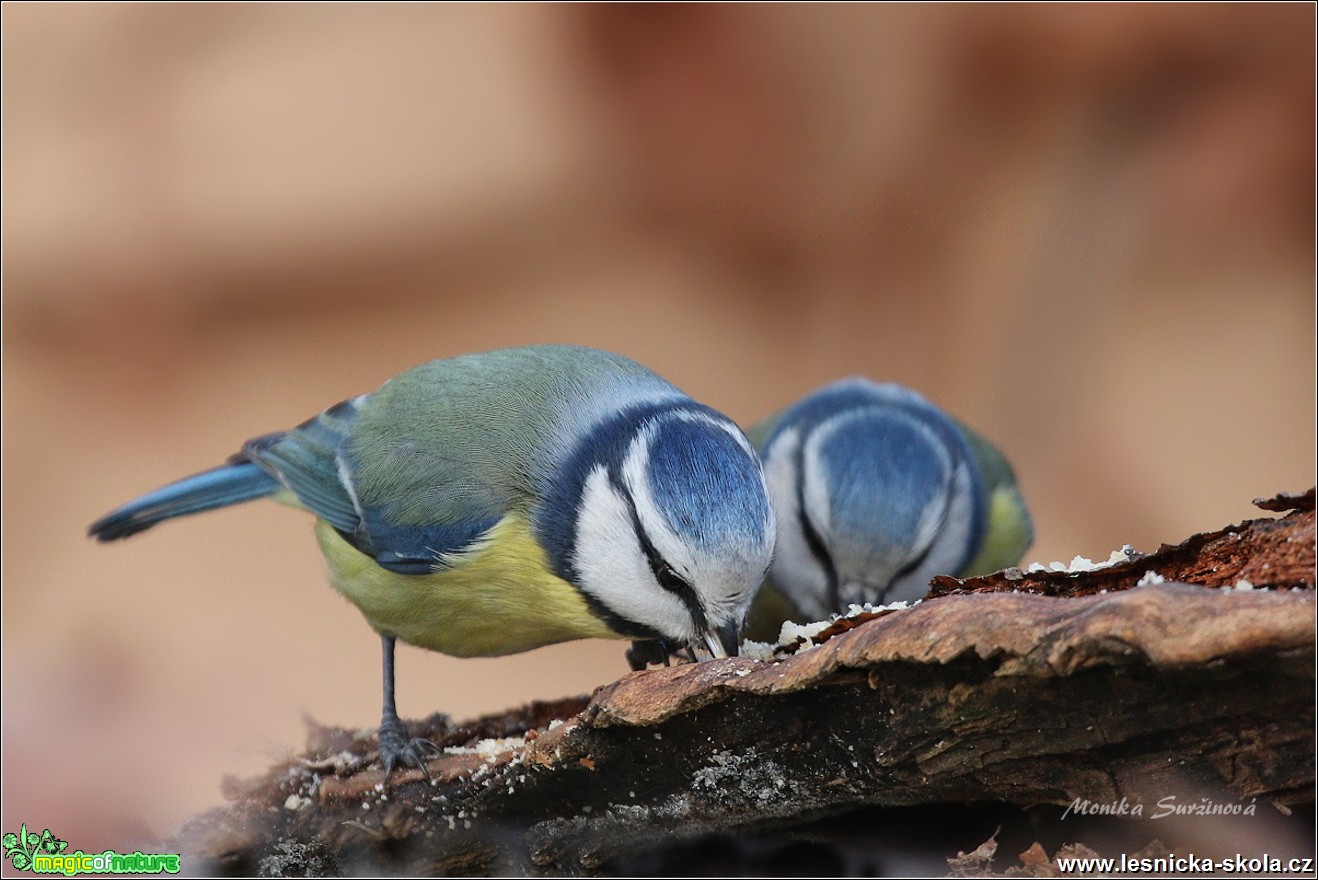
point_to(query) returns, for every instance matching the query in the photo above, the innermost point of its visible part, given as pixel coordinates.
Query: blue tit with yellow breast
(876, 490)
(492, 503)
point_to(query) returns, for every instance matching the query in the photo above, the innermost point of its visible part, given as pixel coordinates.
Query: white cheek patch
(612, 566)
(724, 581)
(951, 545)
(931, 521)
(634, 476)
(818, 503)
(795, 570)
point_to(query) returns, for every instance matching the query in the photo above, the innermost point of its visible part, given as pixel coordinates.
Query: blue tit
(876, 490)
(492, 503)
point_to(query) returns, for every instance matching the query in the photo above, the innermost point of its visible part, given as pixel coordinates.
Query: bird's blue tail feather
(219, 487)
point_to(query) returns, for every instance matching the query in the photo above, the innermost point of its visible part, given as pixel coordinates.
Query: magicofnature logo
(44, 853)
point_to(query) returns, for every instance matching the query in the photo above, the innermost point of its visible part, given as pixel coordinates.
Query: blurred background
(1087, 231)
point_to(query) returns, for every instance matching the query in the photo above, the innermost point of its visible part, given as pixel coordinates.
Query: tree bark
(1073, 689)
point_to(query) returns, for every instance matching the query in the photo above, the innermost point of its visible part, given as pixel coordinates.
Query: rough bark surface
(1024, 689)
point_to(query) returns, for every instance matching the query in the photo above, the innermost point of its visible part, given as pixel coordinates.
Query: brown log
(1267, 553)
(1021, 688)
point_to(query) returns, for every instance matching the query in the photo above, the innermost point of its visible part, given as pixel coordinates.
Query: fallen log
(1075, 689)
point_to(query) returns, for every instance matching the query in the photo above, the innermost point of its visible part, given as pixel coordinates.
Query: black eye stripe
(913, 564)
(664, 574)
(667, 578)
(813, 539)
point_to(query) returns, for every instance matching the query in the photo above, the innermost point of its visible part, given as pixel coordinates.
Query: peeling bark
(1268, 553)
(1023, 689)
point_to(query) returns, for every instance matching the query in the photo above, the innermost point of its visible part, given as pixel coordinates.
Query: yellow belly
(1008, 534)
(498, 598)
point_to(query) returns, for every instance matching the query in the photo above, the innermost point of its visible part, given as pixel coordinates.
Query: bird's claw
(397, 749)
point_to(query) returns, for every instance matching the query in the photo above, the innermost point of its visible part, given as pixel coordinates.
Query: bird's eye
(669, 579)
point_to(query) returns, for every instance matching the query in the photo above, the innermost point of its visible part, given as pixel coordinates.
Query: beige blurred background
(1087, 231)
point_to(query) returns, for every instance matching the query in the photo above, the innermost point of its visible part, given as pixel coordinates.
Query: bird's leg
(396, 748)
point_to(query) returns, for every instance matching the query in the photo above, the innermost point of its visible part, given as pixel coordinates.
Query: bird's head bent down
(671, 527)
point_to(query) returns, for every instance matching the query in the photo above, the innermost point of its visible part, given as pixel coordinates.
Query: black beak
(724, 641)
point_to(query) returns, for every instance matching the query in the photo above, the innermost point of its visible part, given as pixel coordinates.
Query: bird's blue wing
(306, 461)
(314, 461)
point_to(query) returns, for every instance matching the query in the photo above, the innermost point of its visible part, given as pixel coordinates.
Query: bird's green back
(482, 430)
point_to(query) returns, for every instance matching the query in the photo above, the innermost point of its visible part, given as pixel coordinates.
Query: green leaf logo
(22, 848)
(51, 845)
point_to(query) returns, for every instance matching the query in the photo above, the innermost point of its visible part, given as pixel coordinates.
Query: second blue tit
(876, 490)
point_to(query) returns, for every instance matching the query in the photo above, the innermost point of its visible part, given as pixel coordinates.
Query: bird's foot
(654, 652)
(397, 749)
